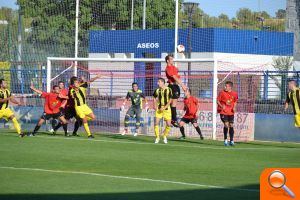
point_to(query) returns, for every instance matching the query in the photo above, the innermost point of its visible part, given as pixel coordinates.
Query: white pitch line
(128, 177)
(167, 145)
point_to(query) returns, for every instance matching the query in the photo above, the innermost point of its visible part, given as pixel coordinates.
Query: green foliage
(50, 24)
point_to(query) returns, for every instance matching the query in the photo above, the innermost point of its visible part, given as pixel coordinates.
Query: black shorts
(189, 120)
(69, 112)
(175, 90)
(227, 118)
(46, 116)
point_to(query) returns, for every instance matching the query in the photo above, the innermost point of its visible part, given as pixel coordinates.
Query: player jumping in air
(173, 80)
(191, 112)
(5, 111)
(68, 107)
(136, 96)
(52, 104)
(83, 111)
(162, 101)
(293, 98)
(227, 101)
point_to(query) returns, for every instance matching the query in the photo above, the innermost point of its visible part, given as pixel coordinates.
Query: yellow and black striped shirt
(163, 95)
(79, 95)
(3, 95)
(293, 97)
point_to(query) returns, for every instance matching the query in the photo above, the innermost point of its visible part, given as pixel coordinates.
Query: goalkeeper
(136, 96)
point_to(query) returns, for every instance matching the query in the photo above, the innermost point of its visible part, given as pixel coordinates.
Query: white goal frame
(75, 60)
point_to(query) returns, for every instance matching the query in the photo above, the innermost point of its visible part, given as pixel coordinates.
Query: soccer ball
(180, 48)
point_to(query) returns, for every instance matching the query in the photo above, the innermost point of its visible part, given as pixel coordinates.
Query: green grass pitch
(125, 167)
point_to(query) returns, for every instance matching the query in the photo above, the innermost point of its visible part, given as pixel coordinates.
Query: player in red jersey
(227, 101)
(52, 104)
(174, 83)
(191, 108)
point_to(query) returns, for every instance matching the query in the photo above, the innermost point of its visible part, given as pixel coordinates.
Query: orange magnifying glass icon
(277, 180)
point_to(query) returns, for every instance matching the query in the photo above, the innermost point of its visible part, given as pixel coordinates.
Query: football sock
(182, 131)
(36, 129)
(231, 133)
(156, 131)
(76, 126)
(65, 127)
(87, 129)
(198, 130)
(225, 130)
(174, 113)
(167, 131)
(16, 125)
(57, 127)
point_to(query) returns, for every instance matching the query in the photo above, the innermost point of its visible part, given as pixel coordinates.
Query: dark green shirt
(135, 97)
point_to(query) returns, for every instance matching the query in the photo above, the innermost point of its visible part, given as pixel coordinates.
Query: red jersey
(64, 92)
(191, 107)
(52, 103)
(171, 71)
(228, 99)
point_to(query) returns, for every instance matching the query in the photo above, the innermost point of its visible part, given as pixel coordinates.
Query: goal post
(119, 73)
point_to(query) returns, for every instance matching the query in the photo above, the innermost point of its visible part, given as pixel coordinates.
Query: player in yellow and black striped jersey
(293, 98)
(5, 111)
(83, 111)
(162, 101)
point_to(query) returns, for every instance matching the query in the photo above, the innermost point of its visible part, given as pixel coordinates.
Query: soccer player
(83, 111)
(227, 101)
(64, 93)
(173, 80)
(136, 96)
(5, 111)
(191, 108)
(162, 101)
(68, 107)
(52, 104)
(293, 98)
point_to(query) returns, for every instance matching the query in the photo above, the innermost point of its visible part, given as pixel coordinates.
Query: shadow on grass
(203, 194)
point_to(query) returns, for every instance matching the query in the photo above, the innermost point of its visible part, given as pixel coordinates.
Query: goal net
(106, 95)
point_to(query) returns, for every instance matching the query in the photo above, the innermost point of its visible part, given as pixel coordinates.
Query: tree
(280, 14)
(224, 17)
(281, 64)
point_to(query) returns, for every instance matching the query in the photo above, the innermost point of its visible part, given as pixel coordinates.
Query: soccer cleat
(31, 134)
(225, 143)
(22, 135)
(51, 130)
(165, 140)
(231, 143)
(124, 132)
(135, 134)
(75, 134)
(91, 137)
(181, 138)
(67, 135)
(175, 124)
(201, 137)
(156, 141)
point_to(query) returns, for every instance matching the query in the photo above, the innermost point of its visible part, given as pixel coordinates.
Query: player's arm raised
(35, 90)
(93, 79)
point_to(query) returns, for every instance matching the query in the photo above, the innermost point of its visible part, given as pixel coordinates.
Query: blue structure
(152, 43)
